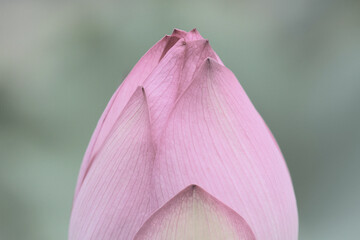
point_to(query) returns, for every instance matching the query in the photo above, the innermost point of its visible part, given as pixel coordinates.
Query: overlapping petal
(216, 139)
(115, 195)
(171, 77)
(160, 59)
(118, 101)
(162, 86)
(195, 214)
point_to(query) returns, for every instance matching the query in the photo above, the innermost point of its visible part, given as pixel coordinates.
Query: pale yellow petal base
(194, 214)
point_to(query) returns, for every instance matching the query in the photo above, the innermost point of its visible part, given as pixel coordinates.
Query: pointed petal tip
(197, 45)
(104, 194)
(203, 72)
(139, 91)
(210, 62)
(181, 42)
(192, 189)
(195, 191)
(193, 35)
(178, 40)
(143, 91)
(139, 97)
(199, 41)
(177, 30)
(178, 33)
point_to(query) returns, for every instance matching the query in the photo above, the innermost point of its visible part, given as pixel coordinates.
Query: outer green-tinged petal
(193, 214)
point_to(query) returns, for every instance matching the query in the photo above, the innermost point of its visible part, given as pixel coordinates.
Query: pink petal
(122, 95)
(171, 77)
(173, 39)
(162, 86)
(114, 196)
(193, 35)
(136, 77)
(179, 33)
(196, 52)
(195, 214)
(216, 139)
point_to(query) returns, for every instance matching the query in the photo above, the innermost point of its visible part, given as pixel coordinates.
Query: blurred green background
(60, 62)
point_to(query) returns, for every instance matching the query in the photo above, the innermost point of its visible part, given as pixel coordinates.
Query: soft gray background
(60, 61)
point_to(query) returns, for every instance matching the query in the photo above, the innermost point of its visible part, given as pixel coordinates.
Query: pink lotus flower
(181, 153)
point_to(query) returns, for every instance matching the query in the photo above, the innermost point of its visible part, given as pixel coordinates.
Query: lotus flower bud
(180, 152)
